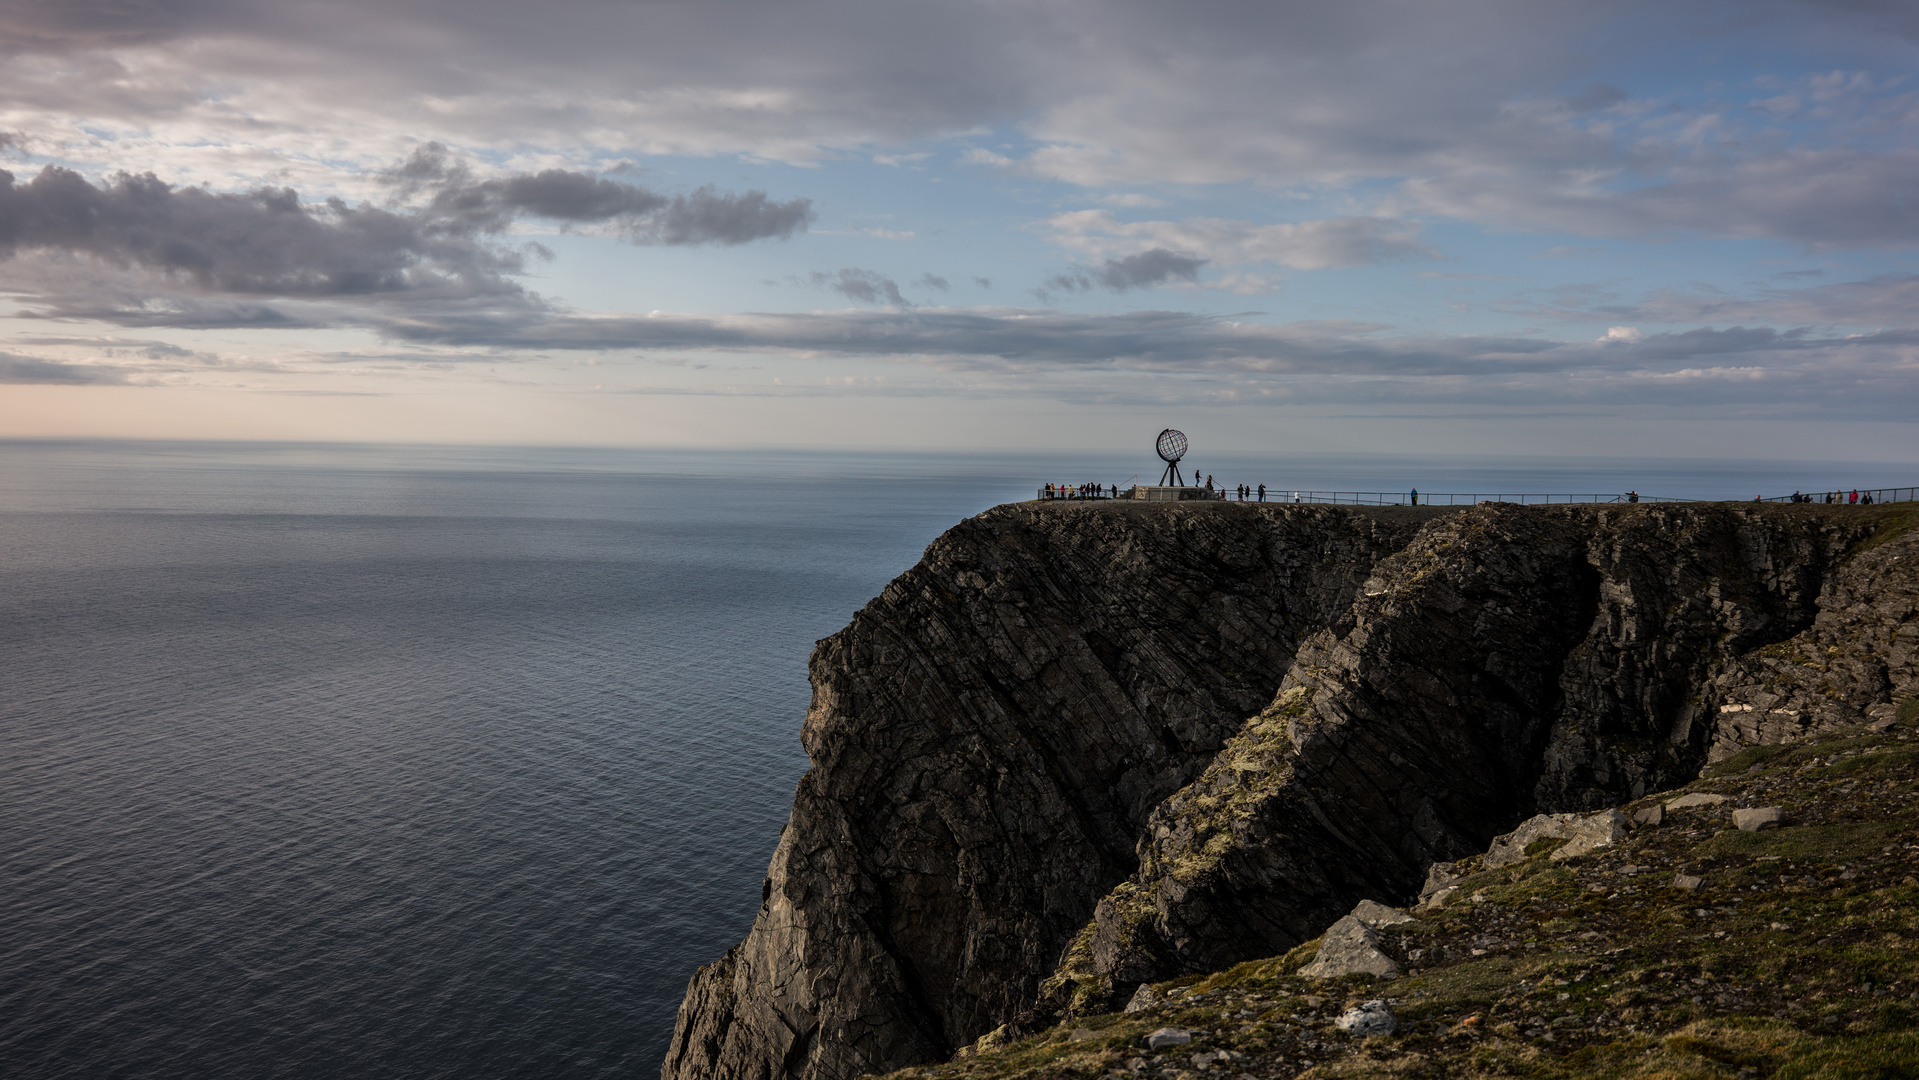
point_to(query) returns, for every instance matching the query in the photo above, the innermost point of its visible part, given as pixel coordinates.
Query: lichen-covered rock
(1379, 916)
(1350, 947)
(1368, 1018)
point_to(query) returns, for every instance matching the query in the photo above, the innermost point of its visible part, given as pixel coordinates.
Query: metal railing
(1850, 496)
(1441, 498)
(1089, 492)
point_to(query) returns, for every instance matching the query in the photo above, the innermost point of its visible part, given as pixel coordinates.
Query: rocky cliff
(1081, 747)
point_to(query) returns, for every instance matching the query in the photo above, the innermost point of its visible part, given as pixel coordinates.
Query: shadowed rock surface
(987, 738)
(1036, 742)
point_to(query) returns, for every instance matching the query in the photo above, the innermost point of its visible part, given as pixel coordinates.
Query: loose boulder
(1590, 833)
(1169, 1036)
(1697, 798)
(1378, 915)
(1582, 832)
(1143, 999)
(1350, 947)
(1651, 815)
(1764, 817)
(1439, 875)
(1371, 1018)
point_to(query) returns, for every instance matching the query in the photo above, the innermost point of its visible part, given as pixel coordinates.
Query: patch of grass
(1908, 710)
(1893, 523)
(1745, 759)
(1875, 1057)
(1826, 843)
(1878, 764)
(1479, 980)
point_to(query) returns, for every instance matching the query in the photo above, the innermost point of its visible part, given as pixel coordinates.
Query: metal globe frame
(1171, 446)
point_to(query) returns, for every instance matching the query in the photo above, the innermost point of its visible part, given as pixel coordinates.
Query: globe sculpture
(1171, 446)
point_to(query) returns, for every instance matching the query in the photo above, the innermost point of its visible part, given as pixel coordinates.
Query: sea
(324, 761)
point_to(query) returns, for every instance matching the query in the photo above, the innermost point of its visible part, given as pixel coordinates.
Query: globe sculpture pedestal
(1172, 487)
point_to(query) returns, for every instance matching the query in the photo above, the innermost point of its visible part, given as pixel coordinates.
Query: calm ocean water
(382, 762)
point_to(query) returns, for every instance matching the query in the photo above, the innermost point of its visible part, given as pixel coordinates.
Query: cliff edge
(1083, 747)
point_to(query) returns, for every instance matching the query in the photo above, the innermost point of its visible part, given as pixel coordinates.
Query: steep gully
(1080, 747)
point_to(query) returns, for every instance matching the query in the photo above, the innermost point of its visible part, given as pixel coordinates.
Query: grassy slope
(1798, 958)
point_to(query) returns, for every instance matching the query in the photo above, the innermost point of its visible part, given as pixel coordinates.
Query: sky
(1472, 226)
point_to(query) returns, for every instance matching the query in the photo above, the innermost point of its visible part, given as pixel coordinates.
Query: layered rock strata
(987, 738)
(1036, 742)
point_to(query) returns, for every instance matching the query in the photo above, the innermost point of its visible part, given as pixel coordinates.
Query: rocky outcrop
(1036, 743)
(1510, 660)
(987, 739)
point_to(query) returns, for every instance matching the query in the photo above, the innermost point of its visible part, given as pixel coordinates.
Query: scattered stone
(1370, 1018)
(1439, 875)
(1881, 724)
(1765, 817)
(1687, 882)
(1697, 798)
(1350, 947)
(1582, 832)
(1651, 815)
(1590, 833)
(1168, 1036)
(1142, 999)
(1379, 916)
(1438, 899)
(1082, 1035)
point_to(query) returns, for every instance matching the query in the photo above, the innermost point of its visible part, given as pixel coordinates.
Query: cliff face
(1017, 748)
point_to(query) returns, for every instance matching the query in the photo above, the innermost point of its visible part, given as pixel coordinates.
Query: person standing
(1262, 493)
(1415, 496)
(1854, 499)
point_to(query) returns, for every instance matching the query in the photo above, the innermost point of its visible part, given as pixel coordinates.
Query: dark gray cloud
(30, 370)
(1153, 340)
(260, 242)
(1793, 372)
(61, 26)
(931, 280)
(448, 247)
(860, 286)
(490, 205)
(1596, 96)
(1887, 302)
(1144, 270)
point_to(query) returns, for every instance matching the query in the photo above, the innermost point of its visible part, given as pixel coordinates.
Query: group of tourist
(1080, 491)
(1257, 493)
(1851, 498)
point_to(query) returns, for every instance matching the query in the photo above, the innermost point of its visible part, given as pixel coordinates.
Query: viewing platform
(1159, 493)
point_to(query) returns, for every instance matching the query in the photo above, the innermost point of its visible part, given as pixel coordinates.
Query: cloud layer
(140, 245)
(1481, 110)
